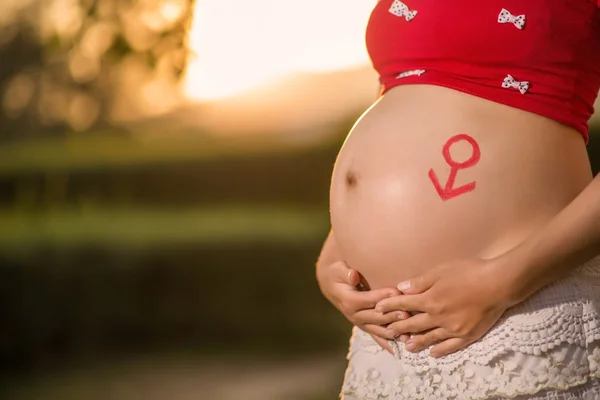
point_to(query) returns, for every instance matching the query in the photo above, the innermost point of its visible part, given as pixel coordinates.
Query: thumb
(418, 284)
(344, 274)
(353, 277)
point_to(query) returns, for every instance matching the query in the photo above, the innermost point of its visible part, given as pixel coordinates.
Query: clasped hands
(449, 306)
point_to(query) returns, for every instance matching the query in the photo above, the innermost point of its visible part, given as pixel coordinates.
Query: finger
(373, 317)
(415, 324)
(448, 346)
(378, 330)
(405, 302)
(340, 272)
(353, 277)
(423, 340)
(404, 338)
(418, 284)
(367, 300)
(383, 343)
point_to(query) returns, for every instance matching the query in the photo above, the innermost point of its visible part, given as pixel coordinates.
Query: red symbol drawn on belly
(449, 191)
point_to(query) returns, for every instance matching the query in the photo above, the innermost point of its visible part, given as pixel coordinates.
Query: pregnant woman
(465, 217)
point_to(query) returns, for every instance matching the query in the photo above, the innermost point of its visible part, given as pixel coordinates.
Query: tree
(74, 65)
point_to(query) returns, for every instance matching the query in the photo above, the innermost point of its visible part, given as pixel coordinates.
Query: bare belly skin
(429, 174)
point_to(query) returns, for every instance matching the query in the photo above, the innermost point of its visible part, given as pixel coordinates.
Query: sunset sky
(242, 45)
(257, 61)
(272, 66)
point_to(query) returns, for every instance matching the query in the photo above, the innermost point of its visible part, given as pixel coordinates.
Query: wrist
(529, 267)
(514, 276)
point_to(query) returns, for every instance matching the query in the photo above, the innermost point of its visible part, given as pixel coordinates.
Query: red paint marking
(449, 191)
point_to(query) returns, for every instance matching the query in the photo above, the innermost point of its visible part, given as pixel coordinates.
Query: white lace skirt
(546, 348)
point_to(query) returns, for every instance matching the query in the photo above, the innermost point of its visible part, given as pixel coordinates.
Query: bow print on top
(413, 72)
(400, 9)
(506, 17)
(510, 82)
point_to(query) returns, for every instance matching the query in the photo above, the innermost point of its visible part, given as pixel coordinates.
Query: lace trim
(507, 380)
(567, 311)
(548, 342)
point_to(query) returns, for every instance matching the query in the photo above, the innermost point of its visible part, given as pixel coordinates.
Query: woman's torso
(514, 171)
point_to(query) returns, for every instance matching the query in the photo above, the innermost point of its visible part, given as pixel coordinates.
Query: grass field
(147, 228)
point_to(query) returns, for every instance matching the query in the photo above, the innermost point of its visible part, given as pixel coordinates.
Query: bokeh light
(238, 46)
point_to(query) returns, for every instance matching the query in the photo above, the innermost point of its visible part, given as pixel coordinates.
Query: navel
(351, 179)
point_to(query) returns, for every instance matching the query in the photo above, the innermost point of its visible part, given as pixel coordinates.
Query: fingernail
(401, 315)
(410, 346)
(349, 274)
(402, 286)
(392, 333)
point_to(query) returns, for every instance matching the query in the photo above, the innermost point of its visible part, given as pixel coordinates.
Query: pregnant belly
(429, 174)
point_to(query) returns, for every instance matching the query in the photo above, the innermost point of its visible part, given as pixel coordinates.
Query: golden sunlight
(242, 45)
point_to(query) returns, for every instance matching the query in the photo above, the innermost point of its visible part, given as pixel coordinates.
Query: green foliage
(87, 53)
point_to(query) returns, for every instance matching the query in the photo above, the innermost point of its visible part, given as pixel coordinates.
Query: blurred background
(164, 177)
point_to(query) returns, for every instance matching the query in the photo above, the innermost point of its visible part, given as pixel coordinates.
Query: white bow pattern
(506, 17)
(400, 9)
(510, 82)
(413, 72)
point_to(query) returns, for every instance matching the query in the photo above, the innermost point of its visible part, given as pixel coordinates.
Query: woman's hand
(340, 285)
(457, 303)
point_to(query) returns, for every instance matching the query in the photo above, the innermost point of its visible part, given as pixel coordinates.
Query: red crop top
(541, 56)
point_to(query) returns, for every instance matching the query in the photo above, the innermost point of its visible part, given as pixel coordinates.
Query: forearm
(567, 241)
